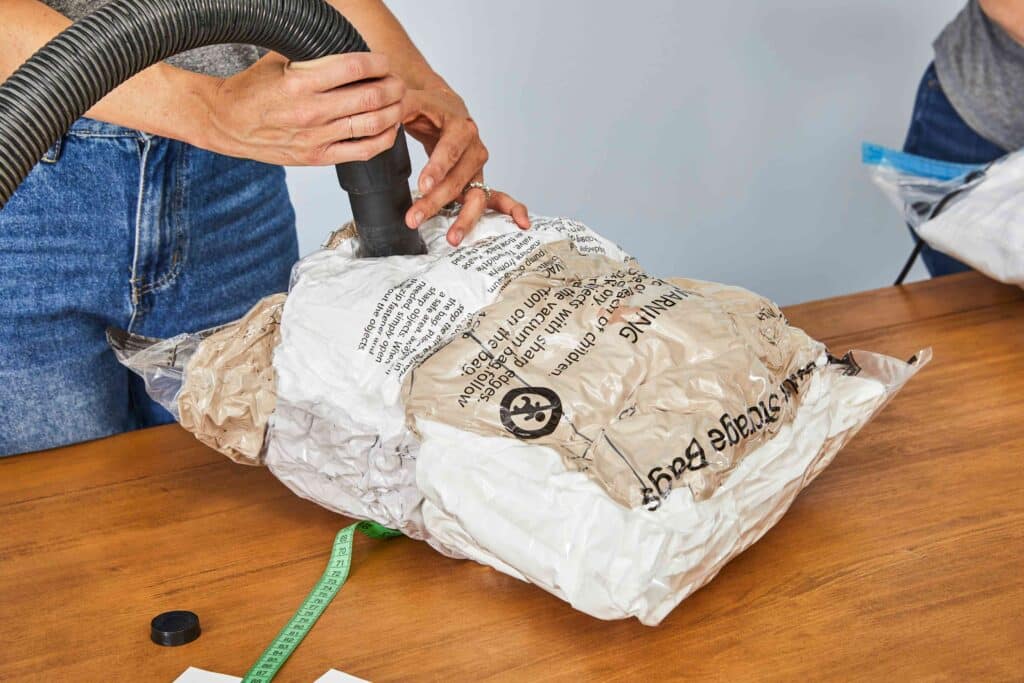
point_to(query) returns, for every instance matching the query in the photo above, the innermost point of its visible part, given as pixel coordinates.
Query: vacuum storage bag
(219, 383)
(974, 213)
(535, 401)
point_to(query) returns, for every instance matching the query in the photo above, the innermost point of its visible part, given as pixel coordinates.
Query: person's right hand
(307, 113)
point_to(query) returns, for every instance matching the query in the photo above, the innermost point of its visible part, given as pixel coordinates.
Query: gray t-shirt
(218, 60)
(981, 69)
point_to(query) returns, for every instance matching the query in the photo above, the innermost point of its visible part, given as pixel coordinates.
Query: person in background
(970, 103)
(166, 210)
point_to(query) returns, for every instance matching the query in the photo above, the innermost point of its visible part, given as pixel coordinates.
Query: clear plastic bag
(918, 185)
(218, 383)
(974, 213)
(159, 362)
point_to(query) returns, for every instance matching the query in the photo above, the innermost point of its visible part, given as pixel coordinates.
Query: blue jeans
(938, 132)
(119, 228)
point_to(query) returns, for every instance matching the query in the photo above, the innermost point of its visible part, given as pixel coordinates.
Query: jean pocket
(52, 155)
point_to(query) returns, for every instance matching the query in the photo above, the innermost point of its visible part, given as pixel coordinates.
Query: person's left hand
(438, 118)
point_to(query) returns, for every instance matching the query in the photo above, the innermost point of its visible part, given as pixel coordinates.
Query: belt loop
(52, 155)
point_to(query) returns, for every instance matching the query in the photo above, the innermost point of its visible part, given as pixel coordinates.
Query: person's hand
(326, 111)
(438, 118)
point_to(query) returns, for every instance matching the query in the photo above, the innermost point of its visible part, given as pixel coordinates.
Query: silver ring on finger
(351, 129)
(480, 186)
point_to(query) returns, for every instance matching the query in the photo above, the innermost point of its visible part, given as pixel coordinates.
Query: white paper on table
(335, 676)
(194, 675)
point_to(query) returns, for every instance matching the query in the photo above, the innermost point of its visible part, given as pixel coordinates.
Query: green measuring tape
(333, 578)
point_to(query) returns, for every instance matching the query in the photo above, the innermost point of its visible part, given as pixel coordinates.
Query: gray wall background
(716, 140)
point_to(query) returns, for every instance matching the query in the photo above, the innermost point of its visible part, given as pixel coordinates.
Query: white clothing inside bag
(515, 507)
(984, 225)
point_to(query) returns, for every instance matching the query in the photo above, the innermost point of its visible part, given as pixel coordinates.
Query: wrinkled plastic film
(159, 362)
(538, 403)
(516, 508)
(915, 185)
(217, 383)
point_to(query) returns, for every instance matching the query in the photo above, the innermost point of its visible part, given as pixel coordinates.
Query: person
(165, 209)
(970, 104)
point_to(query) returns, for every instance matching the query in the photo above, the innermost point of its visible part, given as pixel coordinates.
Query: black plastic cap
(174, 628)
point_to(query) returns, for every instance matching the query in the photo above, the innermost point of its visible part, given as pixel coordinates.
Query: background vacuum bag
(973, 213)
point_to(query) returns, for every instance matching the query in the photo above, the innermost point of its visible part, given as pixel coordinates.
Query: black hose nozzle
(379, 193)
(72, 72)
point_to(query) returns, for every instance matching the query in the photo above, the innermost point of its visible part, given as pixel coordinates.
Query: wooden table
(903, 561)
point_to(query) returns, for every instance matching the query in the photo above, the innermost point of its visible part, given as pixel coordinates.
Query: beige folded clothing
(228, 392)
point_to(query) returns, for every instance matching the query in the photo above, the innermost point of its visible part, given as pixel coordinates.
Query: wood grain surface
(903, 561)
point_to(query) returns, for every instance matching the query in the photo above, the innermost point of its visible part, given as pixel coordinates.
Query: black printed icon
(531, 412)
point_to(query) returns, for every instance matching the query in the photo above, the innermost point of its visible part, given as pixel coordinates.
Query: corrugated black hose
(75, 70)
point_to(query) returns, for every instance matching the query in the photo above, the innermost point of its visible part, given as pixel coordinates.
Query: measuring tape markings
(330, 582)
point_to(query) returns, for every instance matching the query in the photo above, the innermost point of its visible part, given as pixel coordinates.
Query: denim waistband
(85, 127)
(91, 128)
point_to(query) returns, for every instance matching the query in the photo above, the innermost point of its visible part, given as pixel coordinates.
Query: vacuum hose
(75, 70)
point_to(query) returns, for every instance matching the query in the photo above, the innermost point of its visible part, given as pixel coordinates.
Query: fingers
(451, 187)
(359, 126)
(374, 123)
(455, 139)
(363, 98)
(334, 71)
(323, 91)
(359, 149)
(472, 208)
(378, 101)
(475, 202)
(502, 203)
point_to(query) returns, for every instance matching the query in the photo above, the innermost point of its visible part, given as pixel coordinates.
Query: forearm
(161, 100)
(384, 34)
